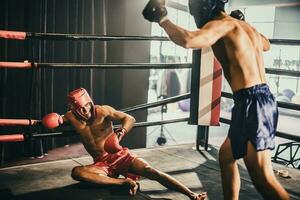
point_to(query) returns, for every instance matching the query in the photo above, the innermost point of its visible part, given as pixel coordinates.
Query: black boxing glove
(237, 14)
(155, 11)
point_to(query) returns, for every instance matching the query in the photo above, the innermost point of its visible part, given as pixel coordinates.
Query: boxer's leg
(97, 175)
(142, 168)
(261, 172)
(229, 172)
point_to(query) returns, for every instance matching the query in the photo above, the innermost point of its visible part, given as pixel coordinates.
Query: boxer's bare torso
(236, 44)
(93, 133)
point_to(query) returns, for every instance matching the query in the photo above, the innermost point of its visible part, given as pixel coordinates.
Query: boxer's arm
(126, 119)
(65, 119)
(265, 42)
(204, 37)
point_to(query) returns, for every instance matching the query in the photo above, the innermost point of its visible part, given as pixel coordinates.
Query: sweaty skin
(94, 134)
(236, 44)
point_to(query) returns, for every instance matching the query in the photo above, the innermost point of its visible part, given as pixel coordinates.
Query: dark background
(27, 93)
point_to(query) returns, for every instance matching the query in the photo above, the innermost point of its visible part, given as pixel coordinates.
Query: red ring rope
(16, 122)
(12, 138)
(17, 35)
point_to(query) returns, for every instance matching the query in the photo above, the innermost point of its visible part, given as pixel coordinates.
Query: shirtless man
(239, 48)
(93, 123)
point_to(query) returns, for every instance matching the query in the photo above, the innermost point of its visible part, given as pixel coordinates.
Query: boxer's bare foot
(200, 196)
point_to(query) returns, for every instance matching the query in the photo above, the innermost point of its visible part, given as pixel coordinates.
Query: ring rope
(19, 35)
(28, 65)
(157, 103)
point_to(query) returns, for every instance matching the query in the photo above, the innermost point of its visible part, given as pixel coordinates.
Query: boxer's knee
(77, 173)
(223, 158)
(225, 154)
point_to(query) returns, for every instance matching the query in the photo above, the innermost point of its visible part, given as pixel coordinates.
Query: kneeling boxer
(93, 123)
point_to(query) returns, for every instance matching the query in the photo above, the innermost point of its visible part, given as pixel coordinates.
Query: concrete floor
(200, 172)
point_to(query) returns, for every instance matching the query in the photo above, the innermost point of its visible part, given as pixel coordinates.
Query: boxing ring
(181, 161)
(202, 137)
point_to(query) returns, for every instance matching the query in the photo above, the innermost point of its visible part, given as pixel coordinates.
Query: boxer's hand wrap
(120, 132)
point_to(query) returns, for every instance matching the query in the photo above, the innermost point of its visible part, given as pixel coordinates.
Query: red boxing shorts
(117, 164)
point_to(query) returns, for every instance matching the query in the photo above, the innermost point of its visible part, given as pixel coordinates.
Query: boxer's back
(240, 53)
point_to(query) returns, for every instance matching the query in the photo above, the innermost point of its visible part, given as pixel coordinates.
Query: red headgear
(78, 99)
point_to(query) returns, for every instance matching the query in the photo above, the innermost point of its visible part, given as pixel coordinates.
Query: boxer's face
(86, 110)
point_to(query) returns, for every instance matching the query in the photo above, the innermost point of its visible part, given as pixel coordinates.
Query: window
(165, 83)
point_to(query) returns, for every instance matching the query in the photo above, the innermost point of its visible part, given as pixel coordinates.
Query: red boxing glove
(52, 120)
(120, 132)
(112, 144)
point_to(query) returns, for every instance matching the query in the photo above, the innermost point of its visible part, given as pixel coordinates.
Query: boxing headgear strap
(205, 10)
(78, 99)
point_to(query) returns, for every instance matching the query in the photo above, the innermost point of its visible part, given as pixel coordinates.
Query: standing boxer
(239, 48)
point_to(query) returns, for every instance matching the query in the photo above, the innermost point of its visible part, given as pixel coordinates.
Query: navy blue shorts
(254, 118)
